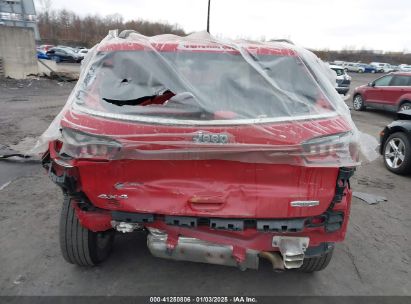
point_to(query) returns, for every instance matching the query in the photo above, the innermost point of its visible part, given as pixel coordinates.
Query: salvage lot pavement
(375, 259)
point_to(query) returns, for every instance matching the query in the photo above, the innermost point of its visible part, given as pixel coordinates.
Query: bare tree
(65, 27)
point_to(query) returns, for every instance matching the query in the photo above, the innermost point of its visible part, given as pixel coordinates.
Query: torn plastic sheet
(199, 97)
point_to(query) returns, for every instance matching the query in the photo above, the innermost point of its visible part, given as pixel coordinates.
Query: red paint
(93, 220)
(264, 201)
(169, 46)
(209, 187)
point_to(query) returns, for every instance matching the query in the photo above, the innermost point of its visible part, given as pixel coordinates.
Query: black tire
(405, 106)
(317, 263)
(358, 103)
(405, 165)
(79, 245)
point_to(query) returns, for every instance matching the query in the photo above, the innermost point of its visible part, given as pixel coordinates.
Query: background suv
(59, 54)
(367, 68)
(390, 92)
(343, 80)
(353, 67)
(395, 145)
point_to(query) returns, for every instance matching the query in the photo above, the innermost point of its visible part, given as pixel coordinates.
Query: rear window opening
(201, 86)
(142, 101)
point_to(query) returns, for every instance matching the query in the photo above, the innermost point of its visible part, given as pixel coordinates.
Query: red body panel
(208, 188)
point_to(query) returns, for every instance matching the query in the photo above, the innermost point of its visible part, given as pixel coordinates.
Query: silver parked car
(353, 67)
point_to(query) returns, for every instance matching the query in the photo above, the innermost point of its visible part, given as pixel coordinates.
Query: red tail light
(328, 149)
(81, 145)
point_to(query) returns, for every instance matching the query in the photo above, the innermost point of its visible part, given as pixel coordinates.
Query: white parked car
(382, 67)
(405, 68)
(83, 52)
(343, 80)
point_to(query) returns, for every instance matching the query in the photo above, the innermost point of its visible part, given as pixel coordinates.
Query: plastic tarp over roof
(199, 97)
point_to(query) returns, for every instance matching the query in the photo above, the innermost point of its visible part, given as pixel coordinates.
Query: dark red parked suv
(390, 92)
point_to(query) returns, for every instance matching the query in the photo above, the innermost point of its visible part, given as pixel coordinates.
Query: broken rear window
(201, 85)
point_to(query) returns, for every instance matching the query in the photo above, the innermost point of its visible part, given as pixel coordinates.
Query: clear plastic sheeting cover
(199, 97)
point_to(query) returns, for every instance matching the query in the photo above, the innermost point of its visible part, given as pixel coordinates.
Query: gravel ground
(375, 259)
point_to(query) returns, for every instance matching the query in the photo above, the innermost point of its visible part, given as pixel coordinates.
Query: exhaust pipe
(275, 259)
(292, 249)
(195, 250)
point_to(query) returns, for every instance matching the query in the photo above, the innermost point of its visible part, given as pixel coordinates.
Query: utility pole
(208, 17)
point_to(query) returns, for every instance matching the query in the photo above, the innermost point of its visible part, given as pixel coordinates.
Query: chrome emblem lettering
(202, 137)
(304, 203)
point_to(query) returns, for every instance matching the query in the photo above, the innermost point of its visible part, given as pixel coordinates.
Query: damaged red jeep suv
(223, 152)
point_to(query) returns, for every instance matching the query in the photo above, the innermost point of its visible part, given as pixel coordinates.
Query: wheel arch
(404, 100)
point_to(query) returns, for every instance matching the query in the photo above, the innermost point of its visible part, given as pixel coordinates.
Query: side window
(339, 72)
(383, 81)
(400, 81)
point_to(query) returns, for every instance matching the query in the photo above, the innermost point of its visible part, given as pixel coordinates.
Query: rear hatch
(206, 129)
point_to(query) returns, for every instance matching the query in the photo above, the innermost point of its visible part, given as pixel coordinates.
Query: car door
(391, 95)
(376, 93)
(64, 55)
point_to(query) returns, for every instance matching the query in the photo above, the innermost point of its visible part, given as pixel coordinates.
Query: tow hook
(292, 249)
(125, 227)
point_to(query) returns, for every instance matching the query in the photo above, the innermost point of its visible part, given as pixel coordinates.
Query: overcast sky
(333, 24)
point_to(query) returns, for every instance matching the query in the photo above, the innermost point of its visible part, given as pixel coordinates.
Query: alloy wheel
(406, 106)
(395, 153)
(357, 103)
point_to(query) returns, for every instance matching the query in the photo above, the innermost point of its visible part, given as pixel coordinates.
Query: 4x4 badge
(113, 196)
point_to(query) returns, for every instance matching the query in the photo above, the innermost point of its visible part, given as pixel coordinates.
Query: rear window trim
(172, 121)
